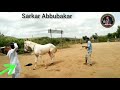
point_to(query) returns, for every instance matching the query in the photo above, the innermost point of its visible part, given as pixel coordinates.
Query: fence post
(61, 38)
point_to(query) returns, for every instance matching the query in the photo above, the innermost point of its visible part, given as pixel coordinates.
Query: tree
(84, 37)
(118, 32)
(109, 36)
(95, 37)
(114, 35)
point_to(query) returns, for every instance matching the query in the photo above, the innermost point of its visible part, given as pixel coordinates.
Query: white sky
(81, 24)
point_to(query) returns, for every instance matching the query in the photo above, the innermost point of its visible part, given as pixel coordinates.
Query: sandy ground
(69, 63)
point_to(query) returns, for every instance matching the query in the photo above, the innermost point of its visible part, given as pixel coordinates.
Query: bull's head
(26, 46)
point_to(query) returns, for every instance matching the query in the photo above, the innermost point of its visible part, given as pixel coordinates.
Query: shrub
(102, 39)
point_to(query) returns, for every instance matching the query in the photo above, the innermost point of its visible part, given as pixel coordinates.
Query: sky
(81, 24)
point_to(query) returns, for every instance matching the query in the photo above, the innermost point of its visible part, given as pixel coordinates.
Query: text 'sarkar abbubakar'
(47, 16)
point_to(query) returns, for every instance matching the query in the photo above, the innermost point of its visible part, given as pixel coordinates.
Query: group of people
(12, 54)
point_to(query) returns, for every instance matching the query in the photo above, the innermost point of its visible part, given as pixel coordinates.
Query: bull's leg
(52, 57)
(42, 60)
(45, 65)
(36, 59)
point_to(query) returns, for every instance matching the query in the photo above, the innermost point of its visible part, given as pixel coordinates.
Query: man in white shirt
(89, 52)
(12, 54)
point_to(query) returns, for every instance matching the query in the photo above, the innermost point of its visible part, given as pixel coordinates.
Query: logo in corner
(107, 20)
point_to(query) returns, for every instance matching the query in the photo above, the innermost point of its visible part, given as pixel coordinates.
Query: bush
(55, 41)
(20, 51)
(102, 39)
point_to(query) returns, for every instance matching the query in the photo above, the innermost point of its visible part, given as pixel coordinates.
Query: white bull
(40, 50)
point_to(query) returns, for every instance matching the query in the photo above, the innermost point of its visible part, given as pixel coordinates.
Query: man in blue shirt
(89, 52)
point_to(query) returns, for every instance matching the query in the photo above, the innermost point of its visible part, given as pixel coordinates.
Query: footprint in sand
(54, 70)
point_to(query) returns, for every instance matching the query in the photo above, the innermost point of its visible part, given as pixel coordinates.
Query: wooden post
(51, 33)
(61, 39)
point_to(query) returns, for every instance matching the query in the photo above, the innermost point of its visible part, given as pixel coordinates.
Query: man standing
(14, 59)
(89, 52)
